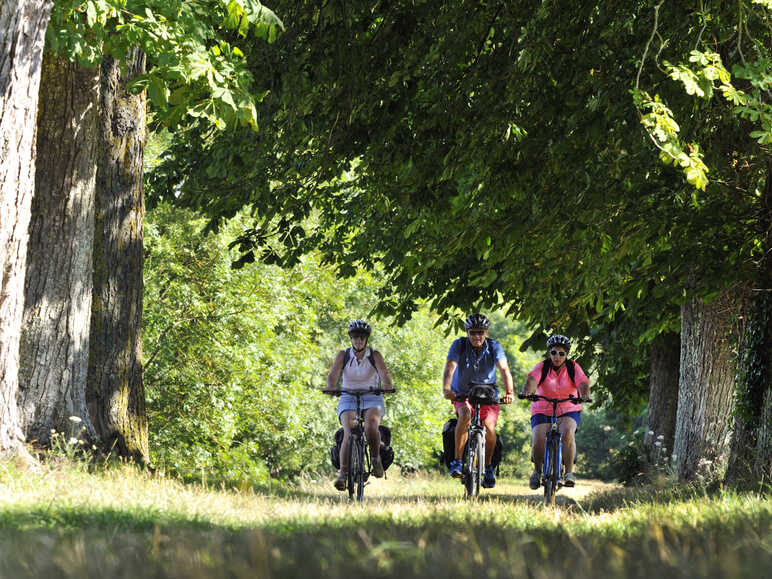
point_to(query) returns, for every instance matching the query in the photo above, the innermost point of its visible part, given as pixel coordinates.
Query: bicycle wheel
(361, 478)
(473, 466)
(355, 467)
(549, 474)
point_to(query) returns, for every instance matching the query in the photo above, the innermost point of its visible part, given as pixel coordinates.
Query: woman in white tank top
(359, 368)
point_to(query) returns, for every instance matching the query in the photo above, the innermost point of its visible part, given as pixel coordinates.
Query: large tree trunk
(57, 310)
(706, 386)
(663, 397)
(750, 462)
(762, 466)
(116, 394)
(22, 31)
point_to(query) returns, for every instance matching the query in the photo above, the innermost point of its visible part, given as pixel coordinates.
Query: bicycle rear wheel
(474, 464)
(356, 479)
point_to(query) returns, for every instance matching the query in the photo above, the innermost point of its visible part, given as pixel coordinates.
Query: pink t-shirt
(556, 385)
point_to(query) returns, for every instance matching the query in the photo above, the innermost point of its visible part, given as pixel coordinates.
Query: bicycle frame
(474, 458)
(552, 470)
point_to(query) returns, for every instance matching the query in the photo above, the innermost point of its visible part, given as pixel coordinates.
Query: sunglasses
(557, 353)
(476, 332)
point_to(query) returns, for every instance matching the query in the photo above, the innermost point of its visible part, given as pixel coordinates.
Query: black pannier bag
(387, 453)
(449, 445)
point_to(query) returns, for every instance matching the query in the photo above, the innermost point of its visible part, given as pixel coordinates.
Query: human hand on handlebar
(508, 398)
(449, 394)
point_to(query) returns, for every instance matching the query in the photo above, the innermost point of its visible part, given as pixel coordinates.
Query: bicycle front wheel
(551, 460)
(356, 477)
(474, 464)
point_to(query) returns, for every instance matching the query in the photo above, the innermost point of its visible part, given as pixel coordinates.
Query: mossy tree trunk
(663, 397)
(116, 394)
(706, 385)
(57, 311)
(22, 32)
(750, 461)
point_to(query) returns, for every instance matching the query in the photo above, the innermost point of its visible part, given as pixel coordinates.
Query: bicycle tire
(549, 474)
(557, 467)
(355, 468)
(361, 478)
(472, 466)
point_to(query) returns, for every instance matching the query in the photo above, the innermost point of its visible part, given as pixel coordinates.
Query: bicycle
(552, 477)
(359, 459)
(474, 457)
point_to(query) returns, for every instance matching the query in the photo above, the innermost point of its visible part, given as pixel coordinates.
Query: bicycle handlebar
(482, 401)
(535, 397)
(358, 392)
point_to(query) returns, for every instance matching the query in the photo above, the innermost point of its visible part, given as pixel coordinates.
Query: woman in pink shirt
(561, 378)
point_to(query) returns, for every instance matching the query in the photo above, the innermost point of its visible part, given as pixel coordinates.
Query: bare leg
(464, 418)
(539, 434)
(567, 426)
(372, 432)
(490, 438)
(347, 421)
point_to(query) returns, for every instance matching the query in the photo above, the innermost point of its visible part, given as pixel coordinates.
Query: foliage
(196, 69)
(484, 160)
(234, 359)
(602, 438)
(752, 380)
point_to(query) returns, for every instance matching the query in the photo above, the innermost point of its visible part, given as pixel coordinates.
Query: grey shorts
(349, 402)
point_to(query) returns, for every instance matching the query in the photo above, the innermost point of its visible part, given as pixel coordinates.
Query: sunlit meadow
(64, 521)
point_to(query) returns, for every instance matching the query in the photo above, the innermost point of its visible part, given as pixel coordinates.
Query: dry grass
(66, 522)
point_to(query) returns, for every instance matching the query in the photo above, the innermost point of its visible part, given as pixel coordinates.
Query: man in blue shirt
(474, 359)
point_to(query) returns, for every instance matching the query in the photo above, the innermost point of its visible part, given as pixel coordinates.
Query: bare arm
(506, 375)
(530, 385)
(335, 370)
(584, 389)
(447, 379)
(383, 371)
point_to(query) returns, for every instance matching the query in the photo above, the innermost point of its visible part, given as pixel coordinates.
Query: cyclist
(361, 369)
(474, 359)
(556, 377)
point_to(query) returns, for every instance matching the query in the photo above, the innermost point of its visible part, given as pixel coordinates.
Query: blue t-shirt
(473, 368)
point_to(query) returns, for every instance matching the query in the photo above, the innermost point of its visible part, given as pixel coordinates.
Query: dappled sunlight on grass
(67, 522)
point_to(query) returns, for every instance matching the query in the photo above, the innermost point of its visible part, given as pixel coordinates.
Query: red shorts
(485, 410)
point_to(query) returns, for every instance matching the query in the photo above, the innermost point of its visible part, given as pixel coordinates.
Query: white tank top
(360, 374)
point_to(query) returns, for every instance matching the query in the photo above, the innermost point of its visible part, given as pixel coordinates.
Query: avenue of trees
(601, 169)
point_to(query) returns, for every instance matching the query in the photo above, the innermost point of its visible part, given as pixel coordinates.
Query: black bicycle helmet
(477, 321)
(359, 327)
(559, 340)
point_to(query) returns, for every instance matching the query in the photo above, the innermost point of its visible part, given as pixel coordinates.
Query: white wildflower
(75, 419)
(73, 441)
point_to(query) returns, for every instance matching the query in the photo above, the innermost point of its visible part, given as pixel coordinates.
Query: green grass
(119, 522)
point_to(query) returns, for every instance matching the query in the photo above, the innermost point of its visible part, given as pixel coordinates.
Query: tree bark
(750, 462)
(22, 31)
(762, 466)
(663, 398)
(706, 386)
(116, 394)
(57, 310)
